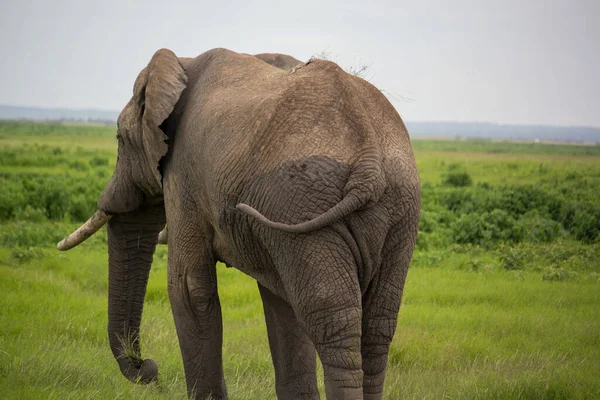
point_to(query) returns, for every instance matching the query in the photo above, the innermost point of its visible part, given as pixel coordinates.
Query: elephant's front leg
(197, 313)
(293, 353)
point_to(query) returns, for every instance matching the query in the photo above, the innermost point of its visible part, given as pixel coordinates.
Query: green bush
(30, 214)
(537, 228)
(55, 196)
(457, 179)
(29, 234)
(427, 222)
(567, 215)
(486, 229)
(518, 200)
(458, 200)
(33, 155)
(514, 199)
(538, 213)
(586, 224)
(573, 255)
(26, 234)
(78, 165)
(22, 255)
(11, 197)
(512, 259)
(98, 161)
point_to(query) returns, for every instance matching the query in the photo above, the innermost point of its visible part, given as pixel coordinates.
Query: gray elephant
(304, 180)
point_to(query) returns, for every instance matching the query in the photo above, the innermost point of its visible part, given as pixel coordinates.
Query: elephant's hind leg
(294, 355)
(318, 271)
(381, 304)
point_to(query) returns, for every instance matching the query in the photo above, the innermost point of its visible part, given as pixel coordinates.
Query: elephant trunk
(132, 239)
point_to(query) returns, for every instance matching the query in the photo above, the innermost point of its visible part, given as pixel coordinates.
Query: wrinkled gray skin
(304, 180)
(282, 61)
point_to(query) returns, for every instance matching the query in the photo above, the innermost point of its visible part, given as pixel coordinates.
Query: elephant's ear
(156, 92)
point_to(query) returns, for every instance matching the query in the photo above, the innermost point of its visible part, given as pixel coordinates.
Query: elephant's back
(239, 105)
(244, 120)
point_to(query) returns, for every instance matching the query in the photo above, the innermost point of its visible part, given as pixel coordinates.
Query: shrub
(80, 208)
(432, 258)
(54, 196)
(427, 221)
(567, 215)
(22, 255)
(78, 165)
(457, 179)
(504, 227)
(486, 229)
(98, 161)
(458, 200)
(512, 259)
(30, 214)
(439, 238)
(28, 234)
(537, 228)
(586, 224)
(11, 198)
(517, 200)
(522, 212)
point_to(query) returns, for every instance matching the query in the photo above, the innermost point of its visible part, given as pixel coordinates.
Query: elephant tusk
(163, 237)
(86, 230)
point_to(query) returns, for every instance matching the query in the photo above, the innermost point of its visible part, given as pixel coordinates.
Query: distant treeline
(477, 130)
(473, 130)
(57, 114)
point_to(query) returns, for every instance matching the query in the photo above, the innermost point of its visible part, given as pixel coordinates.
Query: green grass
(461, 334)
(504, 147)
(508, 168)
(500, 305)
(12, 129)
(492, 334)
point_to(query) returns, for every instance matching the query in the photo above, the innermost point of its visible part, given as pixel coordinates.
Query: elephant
(305, 180)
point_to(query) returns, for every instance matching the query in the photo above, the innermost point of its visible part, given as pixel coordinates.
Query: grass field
(502, 300)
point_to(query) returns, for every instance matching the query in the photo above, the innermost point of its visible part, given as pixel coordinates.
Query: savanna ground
(502, 298)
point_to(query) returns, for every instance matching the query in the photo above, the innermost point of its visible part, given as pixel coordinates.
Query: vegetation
(505, 147)
(11, 129)
(501, 300)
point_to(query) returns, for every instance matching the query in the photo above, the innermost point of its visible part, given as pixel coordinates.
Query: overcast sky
(510, 61)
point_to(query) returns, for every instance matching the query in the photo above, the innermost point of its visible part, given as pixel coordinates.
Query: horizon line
(441, 121)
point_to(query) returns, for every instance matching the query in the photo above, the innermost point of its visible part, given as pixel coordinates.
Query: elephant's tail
(365, 185)
(348, 204)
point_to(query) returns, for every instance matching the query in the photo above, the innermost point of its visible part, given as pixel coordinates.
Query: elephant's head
(132, 206)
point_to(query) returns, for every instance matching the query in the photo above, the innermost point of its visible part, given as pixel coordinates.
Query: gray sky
(510, 61)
